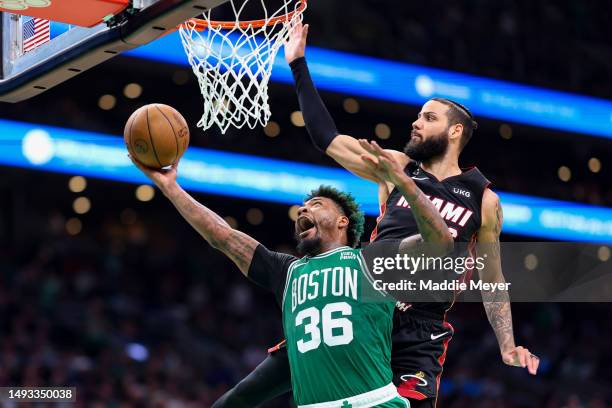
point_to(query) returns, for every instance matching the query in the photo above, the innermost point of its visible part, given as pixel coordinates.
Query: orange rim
(199, 24)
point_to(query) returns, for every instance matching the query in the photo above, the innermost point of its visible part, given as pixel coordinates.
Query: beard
(308, 246)
(427, 149)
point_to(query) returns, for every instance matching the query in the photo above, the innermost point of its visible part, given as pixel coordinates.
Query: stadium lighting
(351, 105)
(531, 262)
(594, 165)
(272, 129)
(137, 352)
(145, 193)
(47, 148)
(37, 147)
(297, 119)
(363, 76)
(382, 131)
(505, 131)
(564, 173)
(81, 205)
(603, 253)
(74, 226)
(107, 102)
(132, 91)
(77, 184)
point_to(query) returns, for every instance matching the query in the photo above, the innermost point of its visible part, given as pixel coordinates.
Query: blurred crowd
(130, 316)
(136, 311)
(558, 44)
(139, 312)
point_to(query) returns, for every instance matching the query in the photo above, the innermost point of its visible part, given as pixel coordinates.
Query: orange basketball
(156, 135)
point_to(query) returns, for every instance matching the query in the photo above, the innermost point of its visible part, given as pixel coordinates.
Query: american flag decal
(36, 31)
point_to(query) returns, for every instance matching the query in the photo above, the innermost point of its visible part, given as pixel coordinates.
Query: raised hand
(295, 46)
(382, 163)
(162, 178)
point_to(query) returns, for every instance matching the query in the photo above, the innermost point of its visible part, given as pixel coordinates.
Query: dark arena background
(104, 287)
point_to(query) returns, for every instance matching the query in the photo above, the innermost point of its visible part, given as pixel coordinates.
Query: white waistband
(365, 400)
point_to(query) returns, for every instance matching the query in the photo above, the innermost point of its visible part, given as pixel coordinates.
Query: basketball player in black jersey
(472, 213)
(471, 210)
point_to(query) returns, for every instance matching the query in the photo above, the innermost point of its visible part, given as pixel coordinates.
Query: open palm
(295, 46)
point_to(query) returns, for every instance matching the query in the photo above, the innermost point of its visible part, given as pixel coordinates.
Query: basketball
(156, 135)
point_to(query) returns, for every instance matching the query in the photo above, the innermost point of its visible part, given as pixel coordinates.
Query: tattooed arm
(432, 227)
(385, 166)
(497, 303)
(238, 246)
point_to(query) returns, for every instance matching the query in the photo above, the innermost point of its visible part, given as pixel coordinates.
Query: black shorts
(419, 344)
(270, 379)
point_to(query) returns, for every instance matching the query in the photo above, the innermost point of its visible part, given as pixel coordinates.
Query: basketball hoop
(233, 61)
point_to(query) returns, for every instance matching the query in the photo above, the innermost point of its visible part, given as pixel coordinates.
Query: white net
(233, 64)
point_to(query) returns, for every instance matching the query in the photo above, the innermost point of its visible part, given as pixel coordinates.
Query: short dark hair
(457, 113)
(346, 202)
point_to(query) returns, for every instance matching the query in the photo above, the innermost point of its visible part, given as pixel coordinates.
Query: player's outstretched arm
(497, 303)
(238, 246)
(386, 167)
(344, 149)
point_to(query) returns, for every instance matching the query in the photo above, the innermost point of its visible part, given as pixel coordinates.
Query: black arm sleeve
(319, 123)
(269, 270)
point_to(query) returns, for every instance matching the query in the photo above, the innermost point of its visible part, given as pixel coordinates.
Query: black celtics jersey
(458, 198)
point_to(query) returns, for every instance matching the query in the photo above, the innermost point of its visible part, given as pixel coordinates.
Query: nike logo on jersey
(437, 336)
(420, 178)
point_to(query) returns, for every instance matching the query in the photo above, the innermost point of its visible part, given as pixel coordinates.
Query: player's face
(429, 137)
(318, 222)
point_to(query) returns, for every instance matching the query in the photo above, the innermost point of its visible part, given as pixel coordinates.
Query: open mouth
(305, 226)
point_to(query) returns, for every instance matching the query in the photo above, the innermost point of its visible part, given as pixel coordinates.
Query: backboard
(38, 55)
